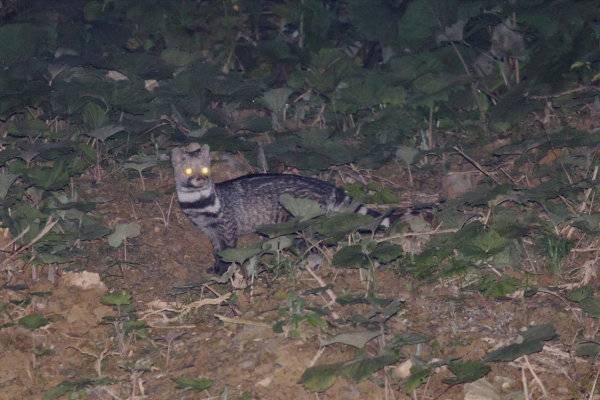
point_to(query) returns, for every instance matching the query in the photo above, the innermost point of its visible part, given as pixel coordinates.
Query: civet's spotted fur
(226, 210)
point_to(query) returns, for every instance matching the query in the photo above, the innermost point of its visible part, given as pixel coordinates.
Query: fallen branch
(476, 165)
(241, 321)
(162, 307)
(321, 283)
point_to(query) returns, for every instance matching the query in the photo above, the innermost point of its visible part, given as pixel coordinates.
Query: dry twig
(476, 165)
(47, 228)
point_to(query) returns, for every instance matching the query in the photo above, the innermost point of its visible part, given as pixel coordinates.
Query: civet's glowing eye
(188, 171)
(204, 170)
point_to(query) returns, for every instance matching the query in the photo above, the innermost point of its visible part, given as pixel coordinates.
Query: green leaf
(50, 178)
(540, 332)
(94, 116)
(326, 71)
(589, 223)
(364, 368)
(6, 181)
(407, 154)
(391, 309)
(487, 242)
(33, 321)
(116, 299)
(497, 288)
(369, 89)
(514, 351)
(21, 42)
(588, 349)
(278, 326)
(313, 150)
(533, 342)
(418, 22)
(373, 194)
(278, 244)
(387, 252)
(176, 57)
(377, 20)
(301, 208)
(275, 230)
(92, 10)
(315, 319)
(92, 231)
(340, 224)
(351, 257)
(320, 377)
(240, 254)
(351, 299)
(407, 339)
(198, 384)
(467, 371)
(591, 306)
(122, 232)
(135, 325)
(356, 339)
(48, 258)
(104, 132)
(276, 99)
(418, 376)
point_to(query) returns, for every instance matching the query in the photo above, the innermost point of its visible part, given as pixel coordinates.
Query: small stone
(481, 390)
(247, 364)
(402, 371)
(265, 382)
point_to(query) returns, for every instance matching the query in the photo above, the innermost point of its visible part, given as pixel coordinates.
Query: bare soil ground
(168, 263)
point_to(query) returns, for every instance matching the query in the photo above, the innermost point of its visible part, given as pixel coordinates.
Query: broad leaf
(275, 230)
(387, 252)
(33, 321)
(50, 178)
(340, 224)
(240, 254)
(351, 257)
(123, 232)
(104, 132)
(320, 377)
(116, 299)
(276, 99)
(533, 342)
(356, 339)
(588, 349)
(467, 371)
(363, 368)
(301, 208)
(6, 181)
(591, 306)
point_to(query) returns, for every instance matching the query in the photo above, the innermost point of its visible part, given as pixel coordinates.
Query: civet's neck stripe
(199, 204)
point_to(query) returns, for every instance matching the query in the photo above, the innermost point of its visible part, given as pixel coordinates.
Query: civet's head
(191, 165)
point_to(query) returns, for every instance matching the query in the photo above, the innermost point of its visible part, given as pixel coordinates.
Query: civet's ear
(192, 147)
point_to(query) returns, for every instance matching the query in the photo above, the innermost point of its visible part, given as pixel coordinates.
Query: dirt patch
(233, 343)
